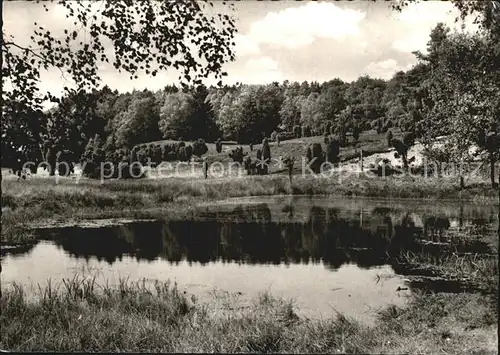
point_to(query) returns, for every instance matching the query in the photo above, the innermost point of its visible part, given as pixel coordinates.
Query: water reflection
(322, 253)
(247, 234)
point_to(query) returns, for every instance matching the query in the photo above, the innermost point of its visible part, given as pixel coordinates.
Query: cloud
(427, 13)
(262, 63)
(416, 41)
(245, 46)
(417, 21)
(262, 70)
(279, 40)
(385, 69)
(295, 27)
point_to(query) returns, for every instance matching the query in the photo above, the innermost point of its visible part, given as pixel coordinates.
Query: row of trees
(453, 91)
(246, 113)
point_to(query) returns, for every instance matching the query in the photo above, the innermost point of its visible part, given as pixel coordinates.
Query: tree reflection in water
(248, 234)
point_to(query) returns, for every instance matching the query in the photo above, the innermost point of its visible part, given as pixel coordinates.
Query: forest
(452, 91)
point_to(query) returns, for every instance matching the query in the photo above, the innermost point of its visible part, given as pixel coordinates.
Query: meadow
(85, 316)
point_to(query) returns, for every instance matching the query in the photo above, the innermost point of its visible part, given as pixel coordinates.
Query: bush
(402, 150)
(332, 150)
(64, 157)
(409, 139)
(389, 138)
(283, 136)
(237, 154)
(356, 130)
(297, 131)
(315, 151)
(181, 154)
(250, 166)
(199, 147)
(377, 125)
(218, 145)
(309, 155)
(306, 131)
(327, 128)
(157, 154)
(273, 136)
(266, 155)
(189, 152)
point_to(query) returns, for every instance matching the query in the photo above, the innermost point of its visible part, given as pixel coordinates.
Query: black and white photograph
(208, 176)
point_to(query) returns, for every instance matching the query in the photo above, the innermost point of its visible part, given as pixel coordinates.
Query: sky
(285, 40)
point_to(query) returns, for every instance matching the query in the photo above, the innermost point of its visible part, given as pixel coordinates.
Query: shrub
(306, 131)
(332, 150)
(316, 154)
(402, 150)
(389, 138)
(309, 153)
(51, 158)
(341, 135)
(142, 156)
(218, 145)
(297, 131)
(259, 167)
(157, 154)
(266, 155)
(286, 136)
(64, 156)
(327, 127)
(356, 130)
(237, 154)
(409, 139)
(92, 158)
(273, 136)
(189, 152)
(249, 166)
(181, 154)
(199, 147)
(163, 152)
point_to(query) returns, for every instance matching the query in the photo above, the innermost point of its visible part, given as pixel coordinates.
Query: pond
(326, 254)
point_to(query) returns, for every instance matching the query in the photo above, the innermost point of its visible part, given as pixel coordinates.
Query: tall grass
(38, 200)
(80, 315)
(476, 268)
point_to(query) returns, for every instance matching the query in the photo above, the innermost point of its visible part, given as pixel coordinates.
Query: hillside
(370, 141)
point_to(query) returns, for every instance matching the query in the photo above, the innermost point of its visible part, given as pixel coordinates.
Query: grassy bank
(37, 200)
(81, 316)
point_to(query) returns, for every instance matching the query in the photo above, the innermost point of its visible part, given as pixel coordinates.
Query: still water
(326, 254)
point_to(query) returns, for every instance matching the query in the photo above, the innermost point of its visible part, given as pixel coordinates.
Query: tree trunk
(462, 182)
(492, 170)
